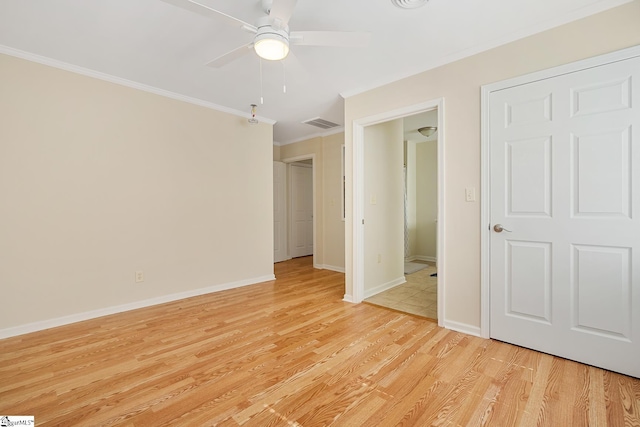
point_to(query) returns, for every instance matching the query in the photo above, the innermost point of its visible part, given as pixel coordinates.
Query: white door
(279, 212)
(301, 243)
(565, 180)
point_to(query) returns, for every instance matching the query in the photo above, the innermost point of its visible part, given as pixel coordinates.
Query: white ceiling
(159, 45)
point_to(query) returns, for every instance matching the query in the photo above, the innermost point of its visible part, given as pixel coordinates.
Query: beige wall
(459, 84)
(333, 224)
(276, 153)
(412, 199)
(383, 207)
(100, 180)
(327, 151)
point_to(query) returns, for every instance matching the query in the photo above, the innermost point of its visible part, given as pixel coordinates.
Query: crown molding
(124, 82)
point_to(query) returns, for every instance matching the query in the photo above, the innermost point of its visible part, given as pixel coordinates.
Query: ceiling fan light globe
(271, 48)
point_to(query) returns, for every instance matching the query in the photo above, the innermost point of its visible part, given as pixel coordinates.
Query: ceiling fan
(272, 36)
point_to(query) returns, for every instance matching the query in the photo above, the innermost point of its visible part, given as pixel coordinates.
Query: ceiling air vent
(409, 4)
(321, 123)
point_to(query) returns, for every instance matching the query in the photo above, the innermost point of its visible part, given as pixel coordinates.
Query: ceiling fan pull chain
(261, 93)
(284, 78)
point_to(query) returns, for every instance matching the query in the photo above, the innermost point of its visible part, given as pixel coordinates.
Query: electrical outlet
(470, 194)
(379, 258)
(374, 199)
(139, 276)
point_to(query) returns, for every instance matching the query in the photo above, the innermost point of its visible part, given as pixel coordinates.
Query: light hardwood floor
(292, 353)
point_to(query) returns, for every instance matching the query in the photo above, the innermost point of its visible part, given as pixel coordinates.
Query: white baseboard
(384, 287)
(332, 268)
(421, 258)
(425, 258)
(65, 320)
(462, 327)
(348, 298)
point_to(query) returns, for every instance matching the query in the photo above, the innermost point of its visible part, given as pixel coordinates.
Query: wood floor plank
(290, 352)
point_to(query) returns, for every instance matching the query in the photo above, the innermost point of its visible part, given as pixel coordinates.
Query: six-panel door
(565, 180)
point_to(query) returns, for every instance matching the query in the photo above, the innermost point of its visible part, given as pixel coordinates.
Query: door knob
(498, 228)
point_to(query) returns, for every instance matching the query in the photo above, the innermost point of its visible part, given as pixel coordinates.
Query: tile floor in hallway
(417, 296)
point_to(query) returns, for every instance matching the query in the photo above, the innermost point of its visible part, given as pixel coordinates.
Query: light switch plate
(470, 194)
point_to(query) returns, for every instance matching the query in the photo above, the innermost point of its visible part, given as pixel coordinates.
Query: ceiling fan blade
(281, 10)
(294, 69)
(202, 9)
(330, 38)
(230, 56)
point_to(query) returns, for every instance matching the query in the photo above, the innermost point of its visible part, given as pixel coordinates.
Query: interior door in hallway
(565, 215)
(301, 239)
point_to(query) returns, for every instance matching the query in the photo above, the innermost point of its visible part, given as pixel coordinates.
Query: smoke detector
(252, 120)
(409, 4)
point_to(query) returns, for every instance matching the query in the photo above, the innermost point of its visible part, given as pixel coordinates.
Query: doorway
(298, 184)
(301, 209)
(418, 294)
(361, 198)
(280, 252)
(561, 232)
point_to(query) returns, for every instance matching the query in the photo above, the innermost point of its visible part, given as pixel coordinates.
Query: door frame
(485, 165)
(289, 161)
(357, 215)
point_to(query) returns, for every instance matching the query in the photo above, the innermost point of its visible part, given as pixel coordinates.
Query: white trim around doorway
(357, 217)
